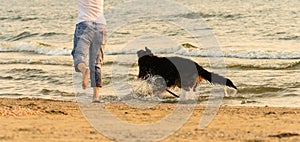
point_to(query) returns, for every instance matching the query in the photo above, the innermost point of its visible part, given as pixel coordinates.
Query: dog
(176, 71)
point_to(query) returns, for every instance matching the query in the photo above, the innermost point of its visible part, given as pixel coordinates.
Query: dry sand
(47, 120)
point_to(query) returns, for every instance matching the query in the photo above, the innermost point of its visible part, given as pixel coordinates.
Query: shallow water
(259, 47)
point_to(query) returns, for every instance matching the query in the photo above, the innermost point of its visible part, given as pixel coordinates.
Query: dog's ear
(142, 53)
(148, 51)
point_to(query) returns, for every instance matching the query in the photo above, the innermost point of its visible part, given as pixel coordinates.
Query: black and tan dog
(177, 71)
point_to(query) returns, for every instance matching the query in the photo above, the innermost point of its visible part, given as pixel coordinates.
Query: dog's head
(145, 52)
(146, 62)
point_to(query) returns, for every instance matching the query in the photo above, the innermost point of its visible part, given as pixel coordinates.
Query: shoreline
(112, 99)
(28, 119)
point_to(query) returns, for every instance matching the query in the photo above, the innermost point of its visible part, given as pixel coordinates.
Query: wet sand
(48, 120)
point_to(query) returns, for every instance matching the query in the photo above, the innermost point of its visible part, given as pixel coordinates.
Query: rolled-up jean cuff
(76, 66)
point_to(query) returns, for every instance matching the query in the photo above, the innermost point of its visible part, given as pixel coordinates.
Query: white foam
(33, 47)
(214, 53)
(49, 50)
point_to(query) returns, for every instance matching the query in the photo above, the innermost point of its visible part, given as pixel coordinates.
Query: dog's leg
(196, 82)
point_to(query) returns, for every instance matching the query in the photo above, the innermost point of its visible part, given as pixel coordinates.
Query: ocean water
(255, 44)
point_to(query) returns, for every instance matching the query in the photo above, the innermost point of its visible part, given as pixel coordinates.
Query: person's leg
(96, 80)
(80, 51)
(96, 58)
(96, 94)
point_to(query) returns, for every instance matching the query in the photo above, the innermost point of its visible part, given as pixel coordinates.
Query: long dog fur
(177, 71)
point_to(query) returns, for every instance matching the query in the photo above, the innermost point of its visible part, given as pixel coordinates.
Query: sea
(256, 44)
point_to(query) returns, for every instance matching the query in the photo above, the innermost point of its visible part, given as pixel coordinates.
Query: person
(89, 41)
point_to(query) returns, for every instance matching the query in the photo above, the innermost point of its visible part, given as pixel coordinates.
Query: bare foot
(96, 94)
(85, 81)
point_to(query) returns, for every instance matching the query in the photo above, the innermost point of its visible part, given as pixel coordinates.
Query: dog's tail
(215, 78)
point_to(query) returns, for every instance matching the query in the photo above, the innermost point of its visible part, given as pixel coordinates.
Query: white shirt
(91, 10)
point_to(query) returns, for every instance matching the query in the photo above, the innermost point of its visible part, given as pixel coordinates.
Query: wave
(22, 36)
(11, 94)
(191, 51)
(38, 62)
(27, 34)
(19, 18)
(293, 65)
(27, 70)
(283, 36)
(6, 77)
(197, 15)
(35, 47)
(259, 90)
(57, 93)
(186, 49)
(57, 62)
(264, 55)
(52, 34)
(290, 38)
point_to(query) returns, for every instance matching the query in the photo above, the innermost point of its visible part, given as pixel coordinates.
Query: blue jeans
(90, 39)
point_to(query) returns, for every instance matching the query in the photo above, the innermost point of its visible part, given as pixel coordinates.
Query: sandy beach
(48, 120)
(253, 43)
